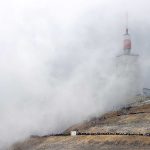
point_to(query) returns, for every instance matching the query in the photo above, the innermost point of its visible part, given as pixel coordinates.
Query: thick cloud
(57, 61)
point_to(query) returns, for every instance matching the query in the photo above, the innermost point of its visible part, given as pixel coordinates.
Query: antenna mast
(127, 39)
(127, 23)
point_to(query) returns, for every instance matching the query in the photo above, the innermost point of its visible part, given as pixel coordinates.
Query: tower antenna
(127, 39)
(127, 23)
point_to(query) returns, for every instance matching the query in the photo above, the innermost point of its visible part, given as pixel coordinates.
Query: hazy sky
(57, 59)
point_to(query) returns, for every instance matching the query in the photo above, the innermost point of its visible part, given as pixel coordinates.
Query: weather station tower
(128, 68)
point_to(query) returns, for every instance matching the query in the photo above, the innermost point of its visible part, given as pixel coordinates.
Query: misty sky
(57, 59)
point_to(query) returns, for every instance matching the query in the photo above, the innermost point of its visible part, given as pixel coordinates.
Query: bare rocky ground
(135, 119)
(99, 142)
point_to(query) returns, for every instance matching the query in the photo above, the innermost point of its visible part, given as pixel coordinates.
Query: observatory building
(128, 68)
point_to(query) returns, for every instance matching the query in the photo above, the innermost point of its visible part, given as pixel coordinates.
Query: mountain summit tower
(128, 68)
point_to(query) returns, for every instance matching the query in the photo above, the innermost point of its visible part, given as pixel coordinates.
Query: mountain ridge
(133, 119)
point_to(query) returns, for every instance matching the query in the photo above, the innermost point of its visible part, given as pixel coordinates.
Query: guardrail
(88, 133)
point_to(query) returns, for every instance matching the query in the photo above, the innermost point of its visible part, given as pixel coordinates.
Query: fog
(57, 61)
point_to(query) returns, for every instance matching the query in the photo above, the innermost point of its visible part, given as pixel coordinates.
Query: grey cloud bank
(57, 61)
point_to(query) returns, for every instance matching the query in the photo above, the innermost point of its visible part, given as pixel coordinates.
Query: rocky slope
(103, 142)
(131, 119)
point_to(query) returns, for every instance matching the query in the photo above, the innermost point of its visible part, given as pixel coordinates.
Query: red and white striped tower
(127, 41)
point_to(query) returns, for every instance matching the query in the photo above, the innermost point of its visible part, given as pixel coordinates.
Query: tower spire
(127, 23)
(127, 39)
